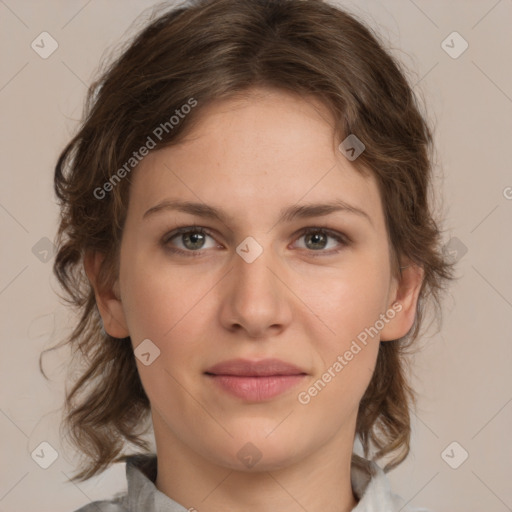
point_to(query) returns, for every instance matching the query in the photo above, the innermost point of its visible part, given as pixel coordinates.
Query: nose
(255, 299)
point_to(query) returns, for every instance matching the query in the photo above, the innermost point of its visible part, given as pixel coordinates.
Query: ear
(108, 300)
(403, 300)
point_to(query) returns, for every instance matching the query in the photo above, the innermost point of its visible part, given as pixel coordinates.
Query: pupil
(194, 239)
(318, 238)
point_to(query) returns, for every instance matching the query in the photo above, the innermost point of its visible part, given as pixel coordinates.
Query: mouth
(255, 381)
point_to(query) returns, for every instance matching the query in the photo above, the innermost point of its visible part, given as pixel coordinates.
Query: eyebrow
(287, 214)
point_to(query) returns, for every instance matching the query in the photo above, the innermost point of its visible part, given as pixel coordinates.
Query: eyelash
(342, 239)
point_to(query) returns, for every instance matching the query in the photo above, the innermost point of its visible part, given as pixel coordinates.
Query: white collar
(369, 483)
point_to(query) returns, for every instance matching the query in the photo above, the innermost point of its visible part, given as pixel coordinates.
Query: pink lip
(248, 368)
(255, 380)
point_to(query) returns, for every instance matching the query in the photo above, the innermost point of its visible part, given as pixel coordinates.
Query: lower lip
(256, 389)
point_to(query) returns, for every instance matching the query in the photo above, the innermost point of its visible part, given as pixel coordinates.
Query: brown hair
(210, 50)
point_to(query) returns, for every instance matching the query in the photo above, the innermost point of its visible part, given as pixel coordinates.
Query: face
(274, 274)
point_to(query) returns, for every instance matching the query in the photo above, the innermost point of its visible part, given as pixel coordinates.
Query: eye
(189, 239)
(317, 240)
(192, 241)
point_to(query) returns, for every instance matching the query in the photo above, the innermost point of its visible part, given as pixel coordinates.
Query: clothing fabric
(369, 483)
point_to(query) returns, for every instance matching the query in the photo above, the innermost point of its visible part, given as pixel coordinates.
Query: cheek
(166, 308)
(348, 305)
(160, 299)
(344, 337)
(345, 301)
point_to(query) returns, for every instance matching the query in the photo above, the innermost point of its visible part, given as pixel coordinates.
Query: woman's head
(242, 107)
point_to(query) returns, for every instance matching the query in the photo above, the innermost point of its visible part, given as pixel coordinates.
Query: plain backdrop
(461, 447)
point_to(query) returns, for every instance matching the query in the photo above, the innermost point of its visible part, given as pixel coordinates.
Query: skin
(299, 301)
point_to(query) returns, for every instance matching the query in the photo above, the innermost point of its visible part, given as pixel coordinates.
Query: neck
(318, 482)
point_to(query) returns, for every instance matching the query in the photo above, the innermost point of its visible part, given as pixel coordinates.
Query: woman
(246, 232)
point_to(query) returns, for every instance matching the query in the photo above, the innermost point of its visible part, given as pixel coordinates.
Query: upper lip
(248, 368)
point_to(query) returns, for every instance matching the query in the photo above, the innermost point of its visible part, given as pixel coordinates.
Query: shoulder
(114, 505)
(140, 474)
(372, 488)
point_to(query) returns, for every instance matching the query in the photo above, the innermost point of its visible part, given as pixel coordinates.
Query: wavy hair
(210, 50)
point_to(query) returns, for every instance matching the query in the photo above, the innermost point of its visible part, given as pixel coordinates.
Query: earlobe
(108, 300)
(403, 303)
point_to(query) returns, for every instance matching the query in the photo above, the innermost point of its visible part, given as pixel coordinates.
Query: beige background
(462, 374)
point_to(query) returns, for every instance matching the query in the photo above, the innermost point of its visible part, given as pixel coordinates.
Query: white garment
(369, 483)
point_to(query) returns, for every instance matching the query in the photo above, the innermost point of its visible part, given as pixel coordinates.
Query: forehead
(256, 152)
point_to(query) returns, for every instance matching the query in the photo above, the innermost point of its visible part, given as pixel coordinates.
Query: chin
(258, 451)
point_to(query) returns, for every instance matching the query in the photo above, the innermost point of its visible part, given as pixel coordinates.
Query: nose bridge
(255, 300)
(252, 275)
